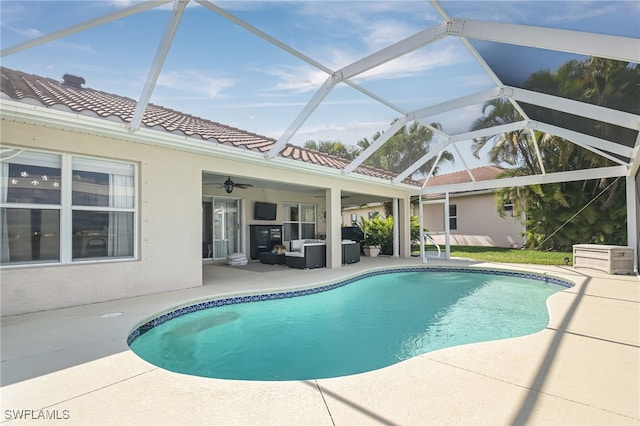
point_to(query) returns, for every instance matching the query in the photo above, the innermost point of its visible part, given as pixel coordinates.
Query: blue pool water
(368, 324)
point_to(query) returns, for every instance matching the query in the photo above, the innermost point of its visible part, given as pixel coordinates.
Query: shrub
(379, 232)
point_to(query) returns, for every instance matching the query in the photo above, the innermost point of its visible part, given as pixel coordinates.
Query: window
(453, 217)
(61, 208)
(507, 207)
(299, 221)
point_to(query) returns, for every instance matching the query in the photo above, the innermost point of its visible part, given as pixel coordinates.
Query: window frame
(299, 222)
(453, 218)
(66, 210)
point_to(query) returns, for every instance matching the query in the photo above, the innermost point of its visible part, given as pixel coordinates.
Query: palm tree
(403, 149)
(548, 207)
(336, 148)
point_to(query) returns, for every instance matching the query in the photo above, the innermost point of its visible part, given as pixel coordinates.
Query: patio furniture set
(309, 254)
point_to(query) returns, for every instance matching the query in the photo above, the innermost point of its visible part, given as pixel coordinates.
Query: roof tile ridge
(186, 116)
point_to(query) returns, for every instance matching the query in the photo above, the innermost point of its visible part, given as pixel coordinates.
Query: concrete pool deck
(73, 364)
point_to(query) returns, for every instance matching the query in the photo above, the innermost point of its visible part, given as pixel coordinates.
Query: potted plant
(371, 251)
(373, 236)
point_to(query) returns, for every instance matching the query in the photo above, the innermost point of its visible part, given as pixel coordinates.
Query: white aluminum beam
(532, 133)
(594, 112)
(392, 130)
(469, 46)
(218, 10)
(416, 165)
(591, 143)
(635, 159)
(294, 52)
(12, 110)
(311, 106)
(632, 217)
(576, 175)
(140, 7)
(583, 43)
(394, 51)
(158, 61)
(474, 99)
(489, 131)
(464, 162)
(433, 168)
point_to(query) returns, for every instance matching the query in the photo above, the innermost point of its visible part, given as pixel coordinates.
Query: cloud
(417, 63)
(27, 33)
(385, 33)
(297, 79)
(578, 11)
(84, 48)
(477, 80)
(190, 81)
(303, 79)
(349, 132)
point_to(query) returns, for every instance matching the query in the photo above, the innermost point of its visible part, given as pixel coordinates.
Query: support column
(404, 226)
(447, 228)
(396, 225)
(632, 217)
(334, 233)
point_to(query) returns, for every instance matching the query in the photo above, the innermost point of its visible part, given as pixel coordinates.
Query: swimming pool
(378, 319)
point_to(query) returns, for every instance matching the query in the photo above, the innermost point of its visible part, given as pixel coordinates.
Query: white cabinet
(610, 259)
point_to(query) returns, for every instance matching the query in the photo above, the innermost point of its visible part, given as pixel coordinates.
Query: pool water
(368, 324)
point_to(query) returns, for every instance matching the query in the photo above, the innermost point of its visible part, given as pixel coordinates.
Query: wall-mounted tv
(264, 211)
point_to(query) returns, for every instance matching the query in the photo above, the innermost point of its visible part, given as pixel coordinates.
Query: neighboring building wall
(478, 223)
(360, 212)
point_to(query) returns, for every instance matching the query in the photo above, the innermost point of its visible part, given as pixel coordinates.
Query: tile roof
(71, 95)
(479, 173)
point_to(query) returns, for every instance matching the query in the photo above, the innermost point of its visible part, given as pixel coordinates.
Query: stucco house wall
(169, 199)
(478, 222)
(169, 238)
(360, 212)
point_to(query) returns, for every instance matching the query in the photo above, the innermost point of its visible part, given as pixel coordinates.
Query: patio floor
(584, 368)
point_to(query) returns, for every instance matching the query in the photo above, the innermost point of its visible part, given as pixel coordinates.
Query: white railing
(427, 238)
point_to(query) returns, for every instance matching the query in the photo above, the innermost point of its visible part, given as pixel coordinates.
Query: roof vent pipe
(73, 81)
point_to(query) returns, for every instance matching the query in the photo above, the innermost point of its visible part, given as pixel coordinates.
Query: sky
(218, 70)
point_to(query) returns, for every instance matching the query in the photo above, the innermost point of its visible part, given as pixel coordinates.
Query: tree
(395, 156)
(403, 149)
(548, 207)
(336, 148)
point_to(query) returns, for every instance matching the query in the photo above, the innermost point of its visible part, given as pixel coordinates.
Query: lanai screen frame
(578, 42)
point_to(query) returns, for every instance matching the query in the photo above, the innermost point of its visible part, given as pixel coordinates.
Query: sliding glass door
(221, 227)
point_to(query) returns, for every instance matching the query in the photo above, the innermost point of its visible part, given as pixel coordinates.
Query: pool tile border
(145, 327)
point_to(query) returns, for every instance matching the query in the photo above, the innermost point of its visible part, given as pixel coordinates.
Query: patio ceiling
(349, 199)
(487, 42)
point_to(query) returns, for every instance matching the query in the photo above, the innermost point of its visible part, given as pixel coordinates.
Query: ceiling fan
(229, 185)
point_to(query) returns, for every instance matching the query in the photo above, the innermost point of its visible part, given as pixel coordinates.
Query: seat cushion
(294, 254)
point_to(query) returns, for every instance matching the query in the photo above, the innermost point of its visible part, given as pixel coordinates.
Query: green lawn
(508, 255)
